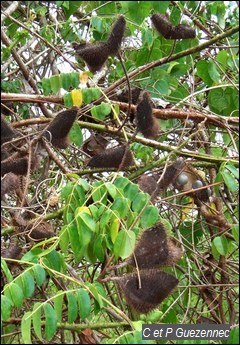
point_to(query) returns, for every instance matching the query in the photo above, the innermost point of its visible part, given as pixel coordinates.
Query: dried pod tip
(115, 38)
(155, 287)
(58, 129)
(112, 158)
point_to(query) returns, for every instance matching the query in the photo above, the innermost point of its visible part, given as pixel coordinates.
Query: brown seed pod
(7, 132)
(164, 27)
(112, 158)
(17, 166)
(147, 184)
(155, 287)
(4, 154)
(94, 144)
(94, 55)
(193, 181)
(9, 183)
(183, 31)
(115, 38)
(40, 231)
(146, 123)
(171, 173)
(162, 24)
(154, 249)
(57, 131)
(12, 252)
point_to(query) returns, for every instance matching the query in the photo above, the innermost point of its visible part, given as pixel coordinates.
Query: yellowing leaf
(83, 78)
(187, 209)
(82, 209)
(114, 229)
(77, 97)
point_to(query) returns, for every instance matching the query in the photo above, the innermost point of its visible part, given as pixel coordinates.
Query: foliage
(53, 287)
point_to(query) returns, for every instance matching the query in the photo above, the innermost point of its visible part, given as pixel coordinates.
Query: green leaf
(124, 244)
(203, 72)
(221, 245)
(149, 217)
(55, 83)
(50, 321)
(14, 292)
(36, 319)
(67, 98)
(76, 135)
(58, 305)
(26, 328)
(72, 307)
(75, 79)
(75, 242)
(121, 182)
(46, 85)
(235, 232)
(99, 249)
(111, 189)
(121, 205)
(88, 221)
(90, 94)
(64, 239)
(84, 303)
(230, 181)
(66, 81)
(131, 191)
(233, 170)
(6, 305)
(6, 270)
(39, 274)
(140, 201)
(213, 72)
(96, 295)
(27, 283)
(114, 228)
(100, 111)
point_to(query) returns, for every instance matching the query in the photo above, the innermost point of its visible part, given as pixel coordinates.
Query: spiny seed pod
(146, 122)
(164, 27)
(57, 131)
(17, 166)
(112, 158)
(155, 287)
(162, 24)
(94, 55)
(4, 154)
(183, 31)
(12, 252)
(9, 183)
(7, 132)
(154, 249)
(115, 38)
(94, 144)
(147, 184)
